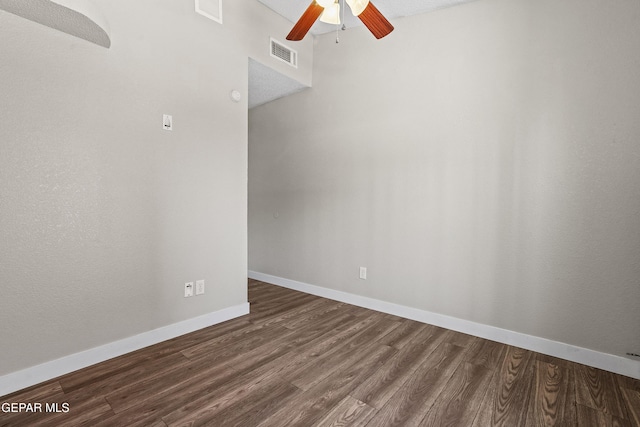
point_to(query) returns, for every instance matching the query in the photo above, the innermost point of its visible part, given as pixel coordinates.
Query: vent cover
(283, 53)
(212, 9)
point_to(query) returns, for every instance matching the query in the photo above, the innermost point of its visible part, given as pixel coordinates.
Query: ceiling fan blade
(305, 22)
(375, 21)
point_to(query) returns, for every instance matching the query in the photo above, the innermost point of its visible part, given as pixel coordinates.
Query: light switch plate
(188, 289)
(167, 122)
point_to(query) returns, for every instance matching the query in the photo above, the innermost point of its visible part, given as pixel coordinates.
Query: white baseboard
(27, 377)
(608, 362)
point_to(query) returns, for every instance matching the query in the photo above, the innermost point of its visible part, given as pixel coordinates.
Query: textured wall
(103, 215)
(481, 161)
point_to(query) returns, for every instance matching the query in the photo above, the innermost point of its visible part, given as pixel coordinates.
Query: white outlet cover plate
(199, 287)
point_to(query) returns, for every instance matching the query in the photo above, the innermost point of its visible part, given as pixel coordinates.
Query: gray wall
(103, 215)
(482, 161)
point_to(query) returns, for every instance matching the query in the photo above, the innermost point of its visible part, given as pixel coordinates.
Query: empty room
(319, 213)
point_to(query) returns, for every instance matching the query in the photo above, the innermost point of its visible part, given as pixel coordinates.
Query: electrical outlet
(199, 287)
(363, 273)
(188, 289)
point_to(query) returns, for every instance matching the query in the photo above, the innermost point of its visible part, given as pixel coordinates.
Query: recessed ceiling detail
(80, 18)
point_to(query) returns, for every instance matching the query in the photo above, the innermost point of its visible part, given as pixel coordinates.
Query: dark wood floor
(302, 360)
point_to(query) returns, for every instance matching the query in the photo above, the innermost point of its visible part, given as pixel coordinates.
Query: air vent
(212, 9)
(283, 53)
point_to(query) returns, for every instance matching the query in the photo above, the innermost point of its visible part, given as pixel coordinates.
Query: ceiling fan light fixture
(357, 6)
(365, 11)
(325, 3)
(331, 14)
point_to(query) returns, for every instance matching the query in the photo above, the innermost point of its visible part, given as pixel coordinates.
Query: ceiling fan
(329, 11)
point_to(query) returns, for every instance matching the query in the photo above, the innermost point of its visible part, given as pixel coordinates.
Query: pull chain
(344, 27)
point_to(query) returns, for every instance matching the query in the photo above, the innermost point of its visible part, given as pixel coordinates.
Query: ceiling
(293, 9)
(267, 85)
(80, 19)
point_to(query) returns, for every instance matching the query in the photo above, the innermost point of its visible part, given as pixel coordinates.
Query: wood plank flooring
(301, 360)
